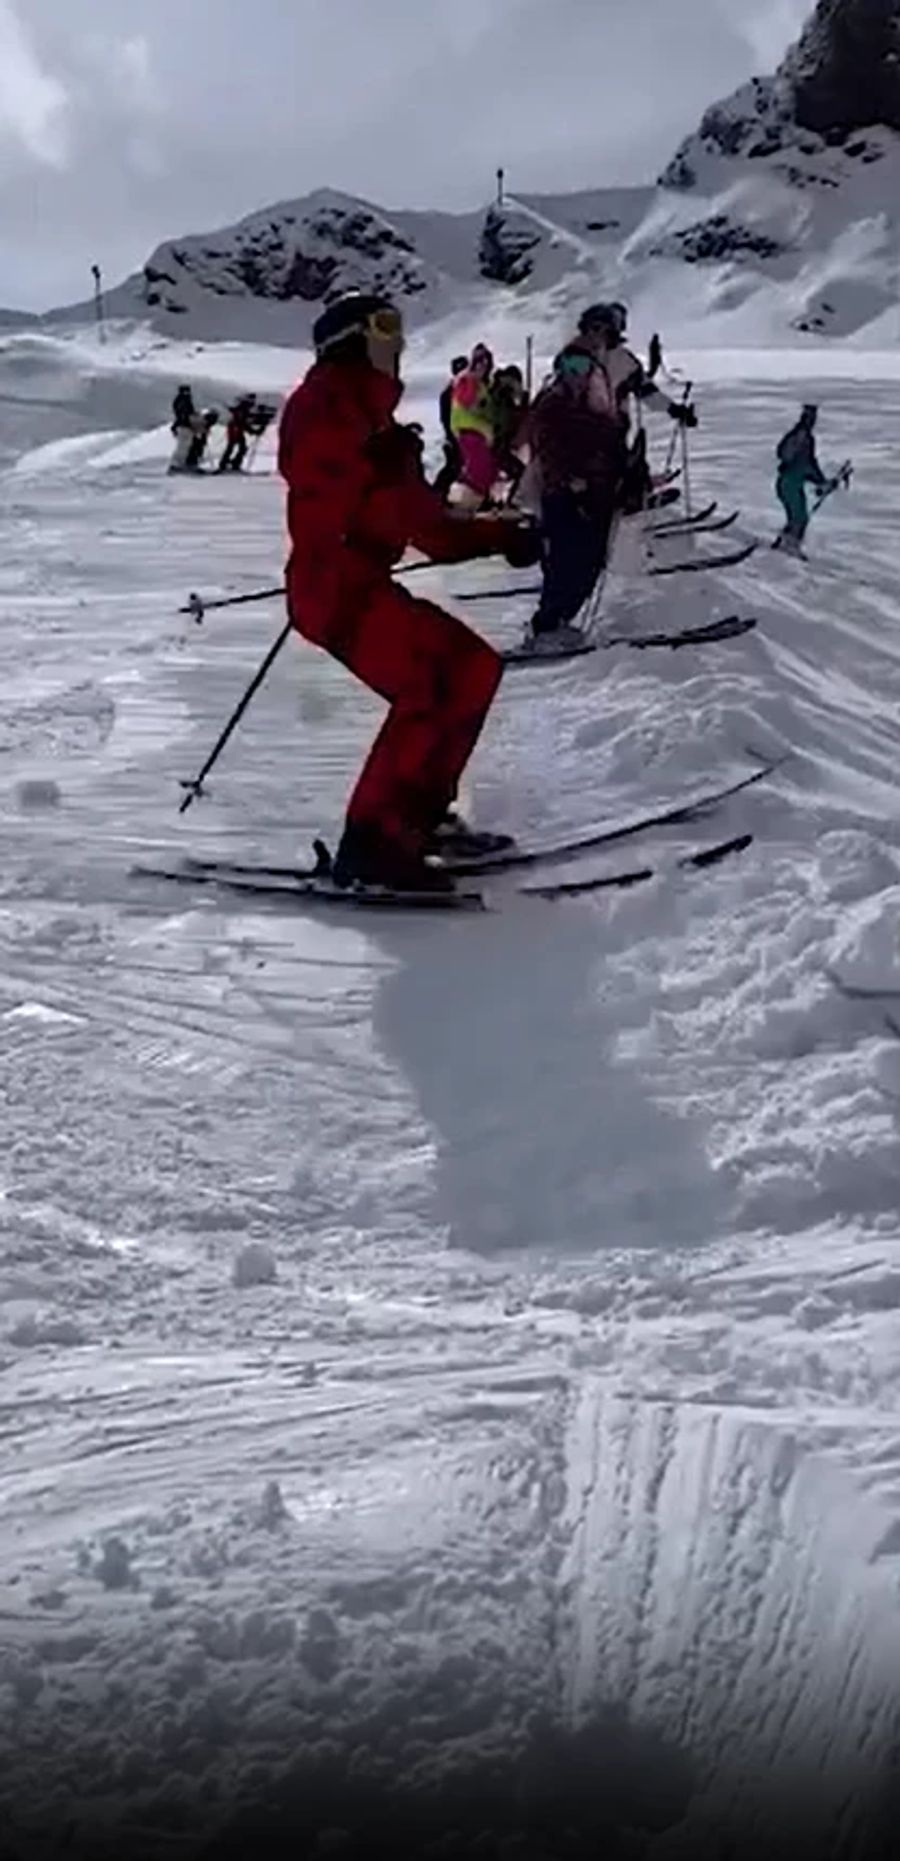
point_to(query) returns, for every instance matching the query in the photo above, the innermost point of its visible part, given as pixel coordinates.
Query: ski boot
(368, 860)
(557, 643)
(453, 839)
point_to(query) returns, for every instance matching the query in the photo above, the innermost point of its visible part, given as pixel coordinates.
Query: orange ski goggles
(385, 325)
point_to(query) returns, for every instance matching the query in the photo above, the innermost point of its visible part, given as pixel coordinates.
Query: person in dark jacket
(578, 448)
(450, 470)
(237, 433)
(797, 468)
(356, 500)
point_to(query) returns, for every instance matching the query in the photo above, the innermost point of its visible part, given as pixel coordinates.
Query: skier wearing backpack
(797, 468)
(356, 500)
(581, 467)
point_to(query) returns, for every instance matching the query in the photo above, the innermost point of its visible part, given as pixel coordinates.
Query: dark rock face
(716, 238)
(842, 76)
(756, 121)
(284, 259)
(845, 70)
(504, 250)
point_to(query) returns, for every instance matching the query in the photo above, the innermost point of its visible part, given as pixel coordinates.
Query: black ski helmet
(349, 315)
(607, 317)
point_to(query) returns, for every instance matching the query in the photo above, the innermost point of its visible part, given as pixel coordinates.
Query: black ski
(731, 628)
(307, 883)
(621, 881)
(513, 858)
(709, 562)
(715, 526)
(700, 805)
(313, 887)
(685, 522)
(677, 568)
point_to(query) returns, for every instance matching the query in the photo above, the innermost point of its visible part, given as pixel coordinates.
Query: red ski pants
(439, 679)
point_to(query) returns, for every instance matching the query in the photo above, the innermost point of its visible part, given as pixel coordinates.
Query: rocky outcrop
(844, 73)
(714, 240)
(840, 79)
(504, 250)
(287, 255)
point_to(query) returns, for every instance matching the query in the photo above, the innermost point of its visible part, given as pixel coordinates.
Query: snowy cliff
(793, 181)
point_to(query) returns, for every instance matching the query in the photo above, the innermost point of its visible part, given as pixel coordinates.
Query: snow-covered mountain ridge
(776, 219)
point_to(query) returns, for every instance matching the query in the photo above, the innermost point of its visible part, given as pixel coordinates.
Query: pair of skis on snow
(315, 885)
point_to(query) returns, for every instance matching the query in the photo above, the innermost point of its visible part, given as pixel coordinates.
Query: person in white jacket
(620, 380)
(602, 329)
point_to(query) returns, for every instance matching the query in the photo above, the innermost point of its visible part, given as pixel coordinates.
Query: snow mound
(866, 954)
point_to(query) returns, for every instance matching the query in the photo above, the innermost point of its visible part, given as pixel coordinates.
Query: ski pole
(194, 789)
(686, 475)
(841, 483)
(197, 605)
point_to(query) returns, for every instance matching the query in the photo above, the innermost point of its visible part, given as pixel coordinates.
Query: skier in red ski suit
(357, 498)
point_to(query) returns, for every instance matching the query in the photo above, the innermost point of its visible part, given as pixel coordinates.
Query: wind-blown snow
(469, 1345)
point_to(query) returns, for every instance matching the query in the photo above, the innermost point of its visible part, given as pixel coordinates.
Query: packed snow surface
(462, 1341)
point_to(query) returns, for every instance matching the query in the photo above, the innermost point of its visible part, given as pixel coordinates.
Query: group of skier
(248, 418)
(358, 499)
(569, 458)
(482, 409)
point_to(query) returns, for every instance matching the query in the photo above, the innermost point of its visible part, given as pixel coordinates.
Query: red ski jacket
(357, 498)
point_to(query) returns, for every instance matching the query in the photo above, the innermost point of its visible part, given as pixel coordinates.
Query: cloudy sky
(123, 122)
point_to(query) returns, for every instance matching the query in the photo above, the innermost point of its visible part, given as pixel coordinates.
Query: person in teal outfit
(797, 468)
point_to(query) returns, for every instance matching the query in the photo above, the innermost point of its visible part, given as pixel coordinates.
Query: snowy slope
(451, 1357)
(74, 389)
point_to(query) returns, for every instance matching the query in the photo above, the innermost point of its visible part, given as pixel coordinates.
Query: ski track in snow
(579, 1376)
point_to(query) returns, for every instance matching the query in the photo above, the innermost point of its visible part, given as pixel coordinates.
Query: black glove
(683, 415)
(395, 452)
(522, 546)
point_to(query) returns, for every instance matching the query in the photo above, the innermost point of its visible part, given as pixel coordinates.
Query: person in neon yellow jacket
(472, 423)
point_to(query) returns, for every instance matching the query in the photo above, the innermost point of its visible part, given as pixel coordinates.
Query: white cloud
(768, 27)
(33, 103)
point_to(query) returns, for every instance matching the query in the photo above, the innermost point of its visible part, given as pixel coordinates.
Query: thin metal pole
(98, 301)
(194, 789)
